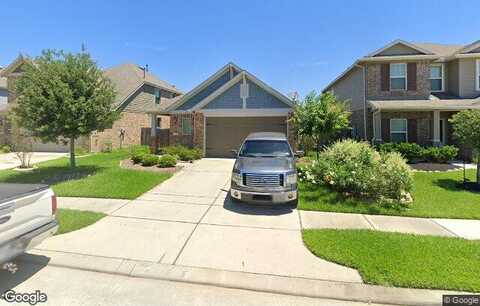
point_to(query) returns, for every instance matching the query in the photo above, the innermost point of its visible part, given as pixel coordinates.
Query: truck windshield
(265, 148)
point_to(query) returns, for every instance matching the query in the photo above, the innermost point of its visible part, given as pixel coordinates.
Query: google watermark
(461, 300)
(34, 298)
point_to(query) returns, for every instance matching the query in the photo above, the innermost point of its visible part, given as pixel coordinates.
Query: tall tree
(466, 128)
(62, 96)
(321, 117)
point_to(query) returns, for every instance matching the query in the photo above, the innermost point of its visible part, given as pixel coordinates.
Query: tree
(321, 117)
(62, 96)
(466, 128)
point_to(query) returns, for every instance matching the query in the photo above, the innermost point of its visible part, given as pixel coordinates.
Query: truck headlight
(291, 178)
(237, 178)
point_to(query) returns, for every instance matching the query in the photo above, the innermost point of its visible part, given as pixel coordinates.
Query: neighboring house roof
(241, 74)
(14, 65)
(430, 51)
(128, 78)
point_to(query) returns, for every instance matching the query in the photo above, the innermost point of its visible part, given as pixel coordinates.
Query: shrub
(183, 153)
(441, 154)
(410, 151)
(356, 168)
(393, 177)
(149, 160)
(167, 161)
(136, 149)
(5, 149)
(137, 158)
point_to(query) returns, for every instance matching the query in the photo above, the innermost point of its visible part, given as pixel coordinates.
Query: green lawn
(97, 175)
(435, 195)
(71, 220)
(401, 260)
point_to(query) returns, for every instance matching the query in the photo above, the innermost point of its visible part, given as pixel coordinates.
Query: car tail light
(54, 205)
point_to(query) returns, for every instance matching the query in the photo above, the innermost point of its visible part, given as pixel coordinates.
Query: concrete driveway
(190, 221)
(10, 160)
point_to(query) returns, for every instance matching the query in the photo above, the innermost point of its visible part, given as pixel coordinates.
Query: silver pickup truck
(265, 170)
(27, 216)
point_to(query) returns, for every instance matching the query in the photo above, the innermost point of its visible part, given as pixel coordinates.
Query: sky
(291, 45)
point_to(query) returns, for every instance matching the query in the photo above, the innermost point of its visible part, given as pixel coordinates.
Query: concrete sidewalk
(106, 206)
(468, 229)
(274, 284)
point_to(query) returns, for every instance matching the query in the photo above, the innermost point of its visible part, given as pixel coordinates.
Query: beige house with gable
(407, 91)
(137, 89)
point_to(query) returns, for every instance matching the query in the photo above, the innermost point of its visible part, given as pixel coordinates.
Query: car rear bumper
(264, 197)
(18, 245)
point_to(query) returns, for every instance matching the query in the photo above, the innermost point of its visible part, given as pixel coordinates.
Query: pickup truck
(264, 171)
(27, 216)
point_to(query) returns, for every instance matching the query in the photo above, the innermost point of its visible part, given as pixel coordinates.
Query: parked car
(27, 216)
(264, 170)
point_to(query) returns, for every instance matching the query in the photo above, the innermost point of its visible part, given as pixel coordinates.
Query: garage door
(226, 133)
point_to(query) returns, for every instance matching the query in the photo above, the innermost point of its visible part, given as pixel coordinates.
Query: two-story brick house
(407, 91)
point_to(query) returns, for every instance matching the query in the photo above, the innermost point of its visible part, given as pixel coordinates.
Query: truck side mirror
(299, 153)
(234, 152)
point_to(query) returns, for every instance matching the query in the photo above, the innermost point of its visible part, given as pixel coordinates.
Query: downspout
(364, 100)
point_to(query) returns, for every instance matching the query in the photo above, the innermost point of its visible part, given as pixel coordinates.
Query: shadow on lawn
(51, 175)
(456, 185)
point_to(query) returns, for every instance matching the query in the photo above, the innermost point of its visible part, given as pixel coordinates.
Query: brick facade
(131, 123)
(374, 90)
(198, 130)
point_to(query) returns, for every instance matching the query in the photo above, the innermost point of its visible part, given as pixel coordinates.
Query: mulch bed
(128, 164)
(434, 167)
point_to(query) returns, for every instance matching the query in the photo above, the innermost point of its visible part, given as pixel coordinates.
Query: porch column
(153, 133)
(436, 129)
(377, 127)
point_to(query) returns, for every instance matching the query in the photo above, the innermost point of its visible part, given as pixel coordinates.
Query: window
(398, 130)
(477, 76)
(398, 76)
(157, 96)
(159, 122)
(436, 77)
(187, 126)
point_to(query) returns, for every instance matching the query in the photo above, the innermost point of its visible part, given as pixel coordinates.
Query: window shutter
(412, 76)
(386, 130)
(385, 77)
(412, 130)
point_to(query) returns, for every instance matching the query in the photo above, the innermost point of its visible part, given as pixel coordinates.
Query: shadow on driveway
(28, 265)
(256, 209)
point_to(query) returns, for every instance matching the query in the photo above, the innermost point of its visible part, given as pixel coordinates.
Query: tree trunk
(72, 152)
(478, 169)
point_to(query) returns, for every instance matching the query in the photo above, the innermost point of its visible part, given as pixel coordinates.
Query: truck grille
(262, 180)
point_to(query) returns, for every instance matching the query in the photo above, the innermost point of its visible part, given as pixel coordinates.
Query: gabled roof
(242, 74)
(470, 47)
(203, 85)
(428, 51)
(21, 59)
(401, 42)
(128, 78)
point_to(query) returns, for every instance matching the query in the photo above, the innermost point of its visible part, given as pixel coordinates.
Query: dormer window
(437, 77)
(477, 75)
(398, 76)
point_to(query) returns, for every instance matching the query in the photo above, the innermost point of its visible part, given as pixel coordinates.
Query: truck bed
(9, 192)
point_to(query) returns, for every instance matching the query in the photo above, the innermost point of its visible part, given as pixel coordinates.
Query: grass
(435, 195)
(97, 176)
(71, 220)
(401, 260)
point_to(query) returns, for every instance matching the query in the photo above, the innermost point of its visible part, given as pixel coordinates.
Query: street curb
(296, 286)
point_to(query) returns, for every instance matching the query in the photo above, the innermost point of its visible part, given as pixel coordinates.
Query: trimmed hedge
(183, 153)
(413, 152)
(167, 161)
(149, 160)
